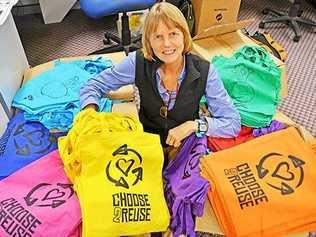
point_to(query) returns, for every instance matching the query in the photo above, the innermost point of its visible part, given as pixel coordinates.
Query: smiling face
(167, 43)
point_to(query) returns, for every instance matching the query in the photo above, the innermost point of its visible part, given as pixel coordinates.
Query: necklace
(165, 107)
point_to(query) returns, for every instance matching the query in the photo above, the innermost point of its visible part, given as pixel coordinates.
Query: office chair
(292, 18)
(101, 8)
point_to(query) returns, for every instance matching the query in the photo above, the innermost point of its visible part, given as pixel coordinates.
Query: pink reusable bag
(39, 201)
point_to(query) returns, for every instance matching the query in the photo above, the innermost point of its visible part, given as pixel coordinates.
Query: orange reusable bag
(265, 187)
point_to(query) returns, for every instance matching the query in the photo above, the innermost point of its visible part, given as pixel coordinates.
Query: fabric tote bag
(39, 201)
(265, 187)
(117, 175)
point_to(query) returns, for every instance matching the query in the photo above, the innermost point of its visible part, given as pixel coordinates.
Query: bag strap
(266, 40)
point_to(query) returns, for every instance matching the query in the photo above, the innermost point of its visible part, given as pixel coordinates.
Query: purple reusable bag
(273, 127)
(185, 189)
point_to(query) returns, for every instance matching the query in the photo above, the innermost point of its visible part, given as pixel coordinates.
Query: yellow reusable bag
(119, 179)
(91, 122)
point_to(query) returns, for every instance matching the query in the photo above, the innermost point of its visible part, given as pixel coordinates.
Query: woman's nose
(166, 41)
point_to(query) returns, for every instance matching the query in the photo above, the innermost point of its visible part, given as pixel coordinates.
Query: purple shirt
(224, 123)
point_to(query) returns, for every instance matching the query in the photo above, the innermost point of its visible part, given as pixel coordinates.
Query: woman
(170, 81)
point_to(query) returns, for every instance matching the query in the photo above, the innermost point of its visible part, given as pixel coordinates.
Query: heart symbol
(54, 194)
(124, 165)
(35, 137)
(282, 171)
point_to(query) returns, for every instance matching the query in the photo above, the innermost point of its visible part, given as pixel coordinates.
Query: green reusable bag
(252, 80)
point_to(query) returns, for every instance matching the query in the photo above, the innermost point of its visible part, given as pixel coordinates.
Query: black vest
(187, 102)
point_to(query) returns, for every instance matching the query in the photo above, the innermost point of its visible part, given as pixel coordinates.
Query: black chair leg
(291, 18)
(296, 30)
(273, 12)
(126, 44)
(137, 38)
(306, 22)
(111, 49)
(110, 36)
(277, 19)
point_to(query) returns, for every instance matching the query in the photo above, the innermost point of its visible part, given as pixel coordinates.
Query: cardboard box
(208, 223)
(306, 135)
(209, 12)
(124, 93)
(224, 40)
(128, 108)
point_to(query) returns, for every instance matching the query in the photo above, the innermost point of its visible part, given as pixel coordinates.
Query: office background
(79, 35)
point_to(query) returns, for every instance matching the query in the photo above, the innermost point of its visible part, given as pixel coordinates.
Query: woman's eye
(174, 33)
(158, 37)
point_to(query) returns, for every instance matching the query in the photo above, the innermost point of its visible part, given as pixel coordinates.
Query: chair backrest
(100, 8)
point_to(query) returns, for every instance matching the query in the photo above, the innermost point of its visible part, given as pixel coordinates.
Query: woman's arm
(108, 80)
(225, 120)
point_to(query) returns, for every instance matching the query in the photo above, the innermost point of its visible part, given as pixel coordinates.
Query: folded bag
(265, 187)
(24, 142)
(39, 201)
(252, 79)
(117, 172)
(185, 189)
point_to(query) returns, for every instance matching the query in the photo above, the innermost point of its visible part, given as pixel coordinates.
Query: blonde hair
(169, 15)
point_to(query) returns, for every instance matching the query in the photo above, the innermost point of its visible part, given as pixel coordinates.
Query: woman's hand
(177, 134)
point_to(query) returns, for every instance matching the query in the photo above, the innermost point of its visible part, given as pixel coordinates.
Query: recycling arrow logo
(283, 173)
(49, 195)
(126, 170)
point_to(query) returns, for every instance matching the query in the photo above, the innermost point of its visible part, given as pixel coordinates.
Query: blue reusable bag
(52, 98)
(24, 142)
(59, 85)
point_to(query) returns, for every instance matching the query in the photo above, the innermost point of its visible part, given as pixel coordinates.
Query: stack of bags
(24, 142)
(252, 80)
(39, 200)
(116, 171)
(52, 98)
(185, 189)
(265, 187)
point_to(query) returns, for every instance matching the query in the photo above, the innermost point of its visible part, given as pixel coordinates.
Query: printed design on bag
(127, 122)
(57, 90)
(247, 189)
(196, 152)
(283, 173)
(242, 91)
(126, 170)
(131, 207)
(49, 195)
(27, 142)
(16, 220)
